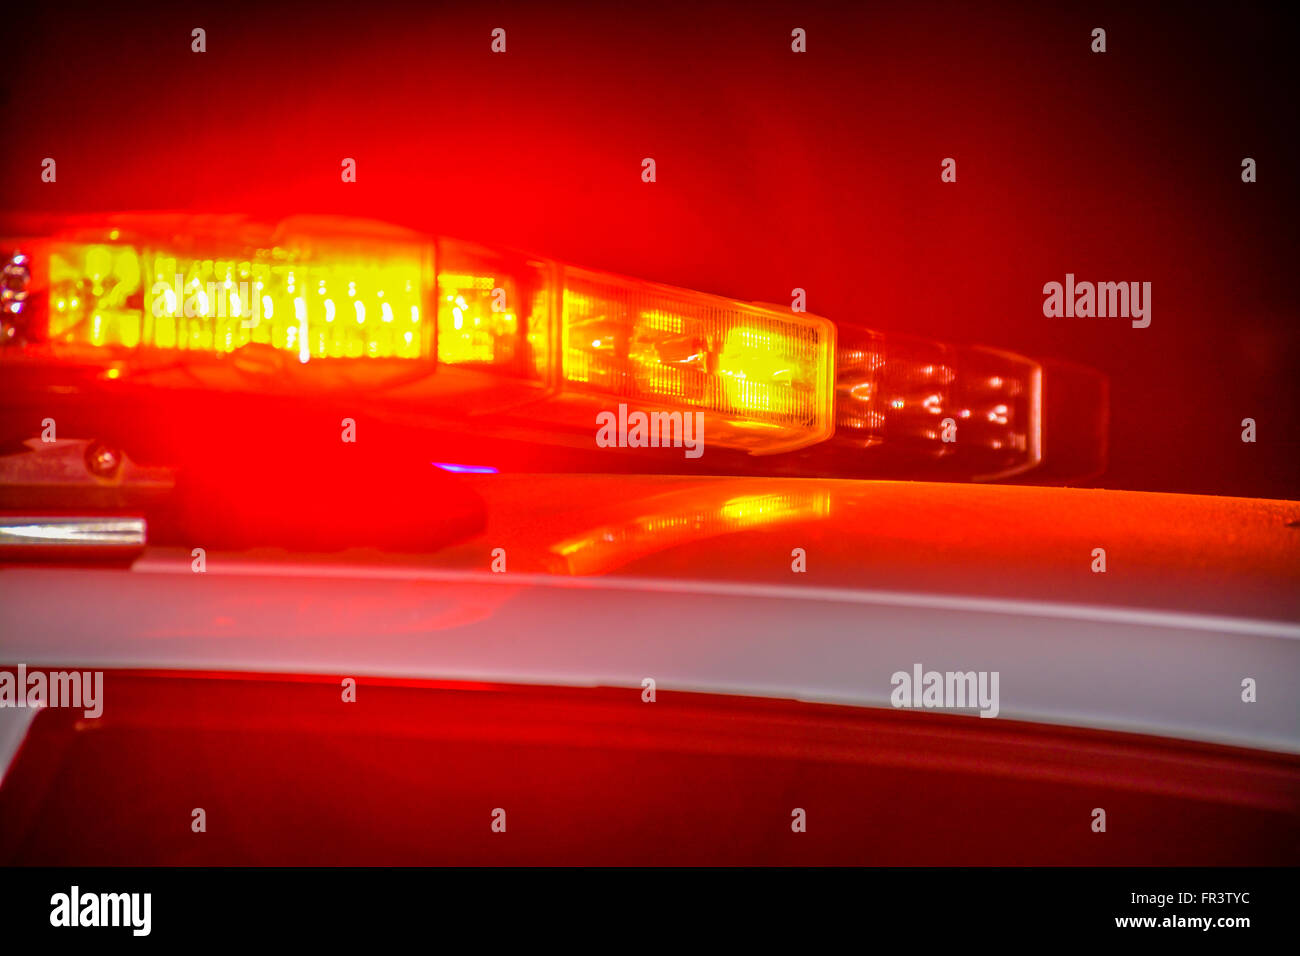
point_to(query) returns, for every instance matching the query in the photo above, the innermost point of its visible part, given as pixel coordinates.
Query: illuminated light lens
(761, 375)
(100, 290)
(470, 328)
(493, 310)
(133, 295)
(754, 375)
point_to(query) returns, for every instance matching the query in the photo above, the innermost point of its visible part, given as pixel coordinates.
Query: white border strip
(1075, 612)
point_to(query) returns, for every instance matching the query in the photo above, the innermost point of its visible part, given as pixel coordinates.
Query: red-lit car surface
(522, 690)
(631, 654)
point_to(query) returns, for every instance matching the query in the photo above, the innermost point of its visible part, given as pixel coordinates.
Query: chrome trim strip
(62, 531)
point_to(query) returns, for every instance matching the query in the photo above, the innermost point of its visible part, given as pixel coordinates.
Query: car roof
(1181, 553)
(605, 581)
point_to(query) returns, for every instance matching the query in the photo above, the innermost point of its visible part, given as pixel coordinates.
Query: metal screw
(102, 461)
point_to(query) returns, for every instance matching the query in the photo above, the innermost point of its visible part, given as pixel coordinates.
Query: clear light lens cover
(926, 400)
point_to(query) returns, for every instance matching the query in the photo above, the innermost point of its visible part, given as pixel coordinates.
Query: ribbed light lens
(314, 306)
(761, 375)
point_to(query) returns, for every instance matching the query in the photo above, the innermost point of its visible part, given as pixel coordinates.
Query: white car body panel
(1137, 670)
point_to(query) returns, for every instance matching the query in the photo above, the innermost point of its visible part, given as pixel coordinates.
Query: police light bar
(293, 304)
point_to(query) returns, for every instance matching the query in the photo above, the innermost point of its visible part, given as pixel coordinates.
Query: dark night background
(775, 170)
